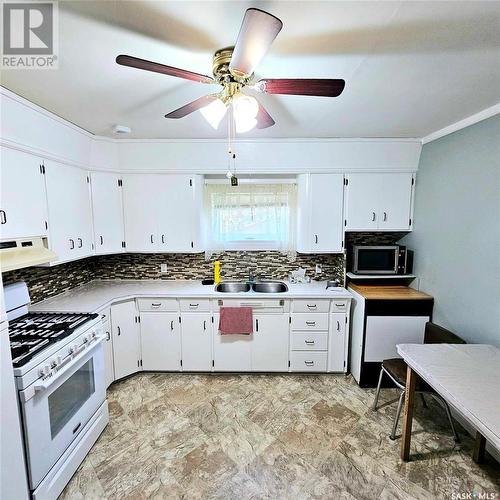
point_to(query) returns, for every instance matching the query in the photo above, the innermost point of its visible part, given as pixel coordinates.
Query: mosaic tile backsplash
(45, 282)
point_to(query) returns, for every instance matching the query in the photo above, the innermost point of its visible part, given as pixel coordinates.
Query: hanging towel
(236, 321)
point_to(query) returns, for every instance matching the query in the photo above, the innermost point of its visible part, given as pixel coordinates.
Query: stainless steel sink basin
(232, 287)
(270, 287)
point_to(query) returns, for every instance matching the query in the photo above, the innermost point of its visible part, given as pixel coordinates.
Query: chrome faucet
(251, 276)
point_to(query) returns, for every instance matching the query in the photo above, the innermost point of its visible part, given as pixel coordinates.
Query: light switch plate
(163, 268)
(318, 269)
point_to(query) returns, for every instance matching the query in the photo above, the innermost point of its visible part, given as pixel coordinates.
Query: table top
(389, 292)
(467, 376)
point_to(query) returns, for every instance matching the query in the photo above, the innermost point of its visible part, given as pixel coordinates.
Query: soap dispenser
(217, 272)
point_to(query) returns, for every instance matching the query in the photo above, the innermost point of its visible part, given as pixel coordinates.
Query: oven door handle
(43, 385)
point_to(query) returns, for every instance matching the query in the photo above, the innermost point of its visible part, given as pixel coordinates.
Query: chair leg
(452, 425)
(424, 402)
(396, 418)
(374, 407)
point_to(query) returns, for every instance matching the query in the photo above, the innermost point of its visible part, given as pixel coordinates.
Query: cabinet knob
(310, 323)
(172, 325)
(163, 238)
(309, 363)
(3, 217)
(80, 242)
(118, 330)
(102, 240)
(316, 239)
(373, 216)
(152, 240)
(385, 216)
(71, 244)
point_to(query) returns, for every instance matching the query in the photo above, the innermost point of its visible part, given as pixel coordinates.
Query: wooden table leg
(479, 448)
(411, 379)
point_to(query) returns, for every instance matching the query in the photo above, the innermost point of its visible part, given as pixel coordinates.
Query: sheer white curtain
(251, 217)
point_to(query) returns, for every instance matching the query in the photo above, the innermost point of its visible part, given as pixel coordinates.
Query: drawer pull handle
(309, 342)
(80, 242)
(75, 430)
(309, 363)
(310, 323)
(71, 244)
(119, 331)
(338, 326)
(339, 305)
(155, 304)
(204, 325)
(108, 336)
(312, 306)
(194, 305)
(373, 216)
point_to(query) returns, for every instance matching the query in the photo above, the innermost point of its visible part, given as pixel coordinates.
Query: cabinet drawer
(339, 305)
(195, 305)
(148, 305)
(303, 361)
(309, 341)
(305, 322)
(311, 305)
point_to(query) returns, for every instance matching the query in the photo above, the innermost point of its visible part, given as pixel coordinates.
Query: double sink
(242, 286)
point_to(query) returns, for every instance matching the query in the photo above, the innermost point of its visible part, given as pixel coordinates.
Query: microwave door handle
(43, 385)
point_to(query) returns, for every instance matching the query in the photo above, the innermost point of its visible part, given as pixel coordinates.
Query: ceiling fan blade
(135, 62)
(322, 87)
(257, 33)
(192, 106)
(264, 119)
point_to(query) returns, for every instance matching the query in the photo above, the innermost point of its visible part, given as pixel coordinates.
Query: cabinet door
(107, 212)
(383, 333)
(362, 201)
(140, 209)
(126, 348)
(327, 230)
(23, 198)
(270, 343)
(70, 219)
(196, 342)
(232, 353)
(160, 341)
(176, 213)
(336, 355)
(109, 369)
(395, 201)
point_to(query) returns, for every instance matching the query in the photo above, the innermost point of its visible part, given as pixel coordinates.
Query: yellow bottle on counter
(217, 272)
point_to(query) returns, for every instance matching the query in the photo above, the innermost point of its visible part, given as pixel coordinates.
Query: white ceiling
(411, 68)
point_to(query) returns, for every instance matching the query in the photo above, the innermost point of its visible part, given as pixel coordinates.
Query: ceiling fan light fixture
(214, 113)
(245, 109)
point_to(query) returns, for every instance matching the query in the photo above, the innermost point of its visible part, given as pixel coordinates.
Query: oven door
(55, 411)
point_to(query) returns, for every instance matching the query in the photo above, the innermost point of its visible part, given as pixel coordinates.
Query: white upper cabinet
(70, 214)
(162, 212)
(23, 204)
(320, 202)
(379, 202)
(140, 212)
(107, 212)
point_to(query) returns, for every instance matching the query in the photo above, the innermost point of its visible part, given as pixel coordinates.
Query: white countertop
(100, 293)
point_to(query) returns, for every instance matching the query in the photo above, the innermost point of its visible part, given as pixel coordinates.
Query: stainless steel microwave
(384, 259)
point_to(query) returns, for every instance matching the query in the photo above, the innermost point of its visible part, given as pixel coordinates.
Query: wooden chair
(395, 369)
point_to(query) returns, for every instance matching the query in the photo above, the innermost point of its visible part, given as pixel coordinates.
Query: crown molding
(466, 122)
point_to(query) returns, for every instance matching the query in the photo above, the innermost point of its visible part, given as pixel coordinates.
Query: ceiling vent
(121, 129)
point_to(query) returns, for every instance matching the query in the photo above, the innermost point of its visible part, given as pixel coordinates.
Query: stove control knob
(85, 339)
(53, 363)
(75, 348)
(45, 370)
(59, 360)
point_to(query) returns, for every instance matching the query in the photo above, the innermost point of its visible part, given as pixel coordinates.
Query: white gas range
(59, 374)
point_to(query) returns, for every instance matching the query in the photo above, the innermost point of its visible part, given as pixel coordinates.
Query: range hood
(25, 252)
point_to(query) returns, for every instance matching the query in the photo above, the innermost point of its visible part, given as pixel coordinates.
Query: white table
(467, 376)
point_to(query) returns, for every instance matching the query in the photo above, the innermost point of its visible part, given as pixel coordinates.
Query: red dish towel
(236, 321)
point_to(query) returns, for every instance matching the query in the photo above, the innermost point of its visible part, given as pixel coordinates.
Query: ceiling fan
(233, 68)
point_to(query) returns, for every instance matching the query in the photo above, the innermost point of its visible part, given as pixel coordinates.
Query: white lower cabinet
(126, 338)
(160, 341)
(269, 348)
(196, 342)
(232, 353)
(337, 346)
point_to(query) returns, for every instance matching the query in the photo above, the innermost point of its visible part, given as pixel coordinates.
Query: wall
(45, 282)
(456, 235)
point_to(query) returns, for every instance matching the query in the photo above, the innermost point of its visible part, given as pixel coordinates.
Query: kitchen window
(251, 217)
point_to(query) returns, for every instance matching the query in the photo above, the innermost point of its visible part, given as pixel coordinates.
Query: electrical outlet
(318, 269)
(163, 268)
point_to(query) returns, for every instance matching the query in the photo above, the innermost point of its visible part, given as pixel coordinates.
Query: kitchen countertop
(380, 292)
(97, 294)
